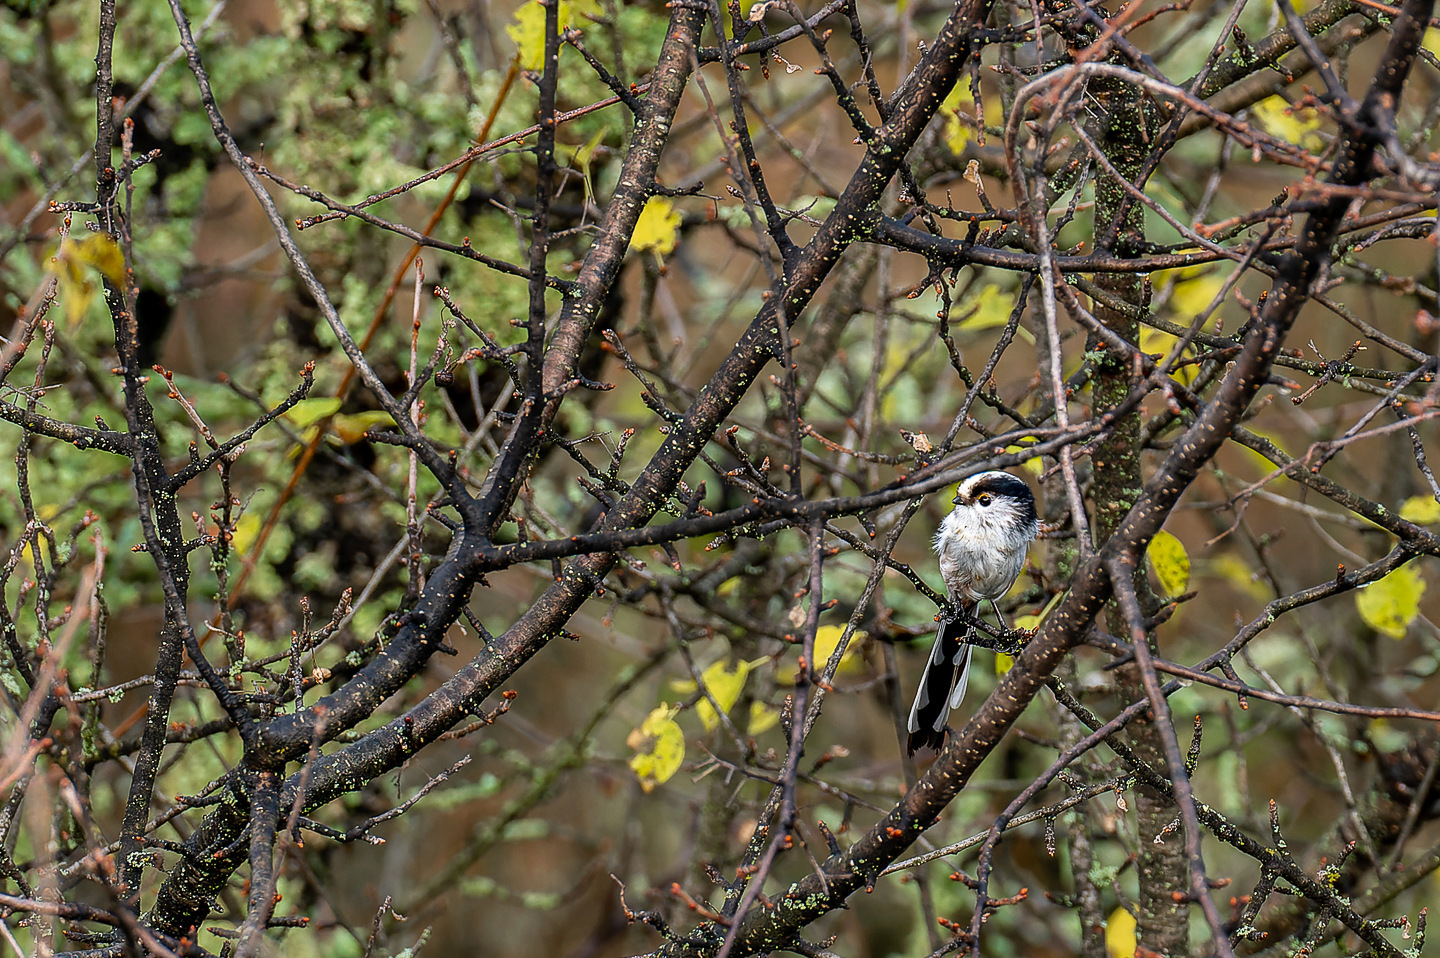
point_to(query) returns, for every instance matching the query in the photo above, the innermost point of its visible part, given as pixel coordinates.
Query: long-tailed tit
(982, 545)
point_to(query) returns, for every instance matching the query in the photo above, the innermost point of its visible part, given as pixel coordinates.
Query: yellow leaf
(959, 96)
(1170, 562)
(658, 228)
(1120, 934)
(1157, 342)
(995, 305)
(1422, 510)
(71, 264)
(827, 637)
(582, 156)
(1032, 622)
(1264, 465)
(1432, 41)
(351, 427)
(659, 747)
(528, 32)
(762, 718)
(100, 251)
(1234, 570)
(1029, 623)
(307, 412)
(957, 132)
(724, 682)
(247, 530)
(1033, 466)
(1390, 605)
(528, 28)
(1297, 125)
(1193, 294)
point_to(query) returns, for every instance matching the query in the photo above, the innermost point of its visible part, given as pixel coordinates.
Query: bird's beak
(955, 501)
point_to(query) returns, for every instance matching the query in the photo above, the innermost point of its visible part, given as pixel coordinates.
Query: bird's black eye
(984, 498)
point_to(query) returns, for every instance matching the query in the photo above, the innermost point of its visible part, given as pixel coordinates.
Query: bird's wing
(962, 663)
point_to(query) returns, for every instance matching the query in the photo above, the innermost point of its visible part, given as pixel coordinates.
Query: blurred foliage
(357, 97)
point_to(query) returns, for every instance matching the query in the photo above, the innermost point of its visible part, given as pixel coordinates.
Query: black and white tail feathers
(943, 684)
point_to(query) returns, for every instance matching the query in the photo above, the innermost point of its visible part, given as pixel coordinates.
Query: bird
(982, 545)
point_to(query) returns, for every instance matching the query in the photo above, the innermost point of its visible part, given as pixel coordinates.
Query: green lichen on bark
(1162, 922)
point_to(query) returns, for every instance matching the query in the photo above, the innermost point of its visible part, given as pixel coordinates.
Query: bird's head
(1000, 492)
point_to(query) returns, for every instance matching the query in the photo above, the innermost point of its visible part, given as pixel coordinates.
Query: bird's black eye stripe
(999, 484)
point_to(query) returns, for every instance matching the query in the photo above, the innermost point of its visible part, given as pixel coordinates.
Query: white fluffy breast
(982, 549)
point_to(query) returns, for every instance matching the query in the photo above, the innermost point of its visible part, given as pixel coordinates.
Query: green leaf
(307, 412)
(1390, 605)
(351, 427)
(1170, 563)
(659, 747)
(1387, 737)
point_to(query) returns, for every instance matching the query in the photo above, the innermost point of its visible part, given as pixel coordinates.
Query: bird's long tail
(943, 685)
